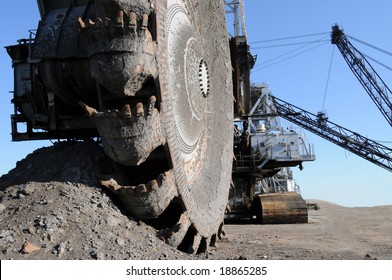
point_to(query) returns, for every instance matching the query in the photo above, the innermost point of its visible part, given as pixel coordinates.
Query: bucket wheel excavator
(150, 79)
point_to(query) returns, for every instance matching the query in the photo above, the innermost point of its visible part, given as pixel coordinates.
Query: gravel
(52, 200)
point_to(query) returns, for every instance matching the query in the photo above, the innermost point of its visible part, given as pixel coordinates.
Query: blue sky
(337, 175)
(16, 18)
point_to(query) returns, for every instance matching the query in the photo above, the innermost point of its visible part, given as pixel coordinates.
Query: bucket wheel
(175, 139)
(195, 87)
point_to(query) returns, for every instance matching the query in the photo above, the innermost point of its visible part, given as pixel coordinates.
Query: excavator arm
(347, 139)
(365, 73)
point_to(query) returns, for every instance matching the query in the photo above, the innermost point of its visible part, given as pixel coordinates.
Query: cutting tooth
(111, 184)
(139, 109)
(90, 22)
(145, 22)
(151, 105)
(89, 110)
(81, 23)
(120, 18)
(127, 110)
(152, 185)
(175, 234)
(107, 21)
(132, 21)
(99, 22)
(141, 188)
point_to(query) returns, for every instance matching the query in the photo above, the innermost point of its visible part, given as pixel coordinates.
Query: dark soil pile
(52, 207)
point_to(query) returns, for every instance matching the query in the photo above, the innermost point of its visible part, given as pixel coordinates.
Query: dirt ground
(52, 208)
(333, 232)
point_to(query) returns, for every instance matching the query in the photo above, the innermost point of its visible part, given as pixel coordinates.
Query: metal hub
(204, 79)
